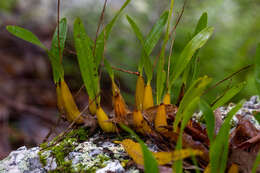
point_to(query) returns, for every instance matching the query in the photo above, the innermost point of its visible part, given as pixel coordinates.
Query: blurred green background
(236, 23)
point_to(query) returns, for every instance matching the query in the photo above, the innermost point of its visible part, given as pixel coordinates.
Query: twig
(126, 71)
(99, 24)
(113, 67)
(172, 31)
(169, 63)
(51, 130)
(58, 30)
(228, 77)
(63, 134)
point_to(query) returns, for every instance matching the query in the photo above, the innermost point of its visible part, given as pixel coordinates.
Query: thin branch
(113, 67)
(58, 30)
(126, 71)
(99, 25)
(228, 77)
(169, 62)
(172, 31)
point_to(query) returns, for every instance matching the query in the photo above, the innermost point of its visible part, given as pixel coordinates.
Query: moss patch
(62, 149)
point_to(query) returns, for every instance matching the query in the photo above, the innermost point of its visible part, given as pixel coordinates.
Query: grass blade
(196, 90)
(228, 95)
(202, 23)
(145, 58)
(257, 68)
(187, 114)
(54, 56)
(25, 35)
(153, 37)
(109, 69)
(86, 60)
(209, 118)
(192, 70)
(197, 42)
(150, 163)
(104, 35)
(256, 163)
(219, 148)
(155, 34)
(62, 36)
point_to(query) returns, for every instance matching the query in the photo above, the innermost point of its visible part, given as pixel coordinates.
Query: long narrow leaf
(62, 37)
(257, 68)
(54, 54)
(155, 34)
(109, 69)
(196, 90)
(191, 72)
(104, 35)
(145, 58)
(209, 118)
(256, 163)
(187, 114)
(218, 149)
(228, 95)
(86, 60)
(150, 163)
(202, 23)
(151, 40)
(197, 42)
(25, 35)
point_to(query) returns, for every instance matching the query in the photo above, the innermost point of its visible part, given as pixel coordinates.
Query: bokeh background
(27, 94)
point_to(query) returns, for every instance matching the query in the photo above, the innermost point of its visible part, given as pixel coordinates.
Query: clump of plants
(167, 122)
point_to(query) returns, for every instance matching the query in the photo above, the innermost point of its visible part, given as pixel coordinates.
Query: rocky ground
(94, 154)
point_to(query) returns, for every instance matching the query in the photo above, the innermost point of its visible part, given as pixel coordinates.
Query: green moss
(62, 149)
(43, 158)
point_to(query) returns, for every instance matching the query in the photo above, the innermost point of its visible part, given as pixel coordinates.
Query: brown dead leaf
(135, 152)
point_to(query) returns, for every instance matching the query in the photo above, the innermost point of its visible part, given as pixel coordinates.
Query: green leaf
(202, 23)
(197, 42)
(62, 37)
(256, 163)
(192, 69)
(187, 114)
(104, 35)
(145, 58)
(228, 95)
(257, 117)
(257, 68)
(219, 148)
(25, 35)
(150, 42)
(155, 34)
(150, 163)
(86, 62)
(109, 69)
(209, 118)
(54, 56)
(196, 90)
(136, 30)
(160, 81)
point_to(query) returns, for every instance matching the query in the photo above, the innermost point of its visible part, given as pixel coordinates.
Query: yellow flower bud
(160, 119)
(103, 122)
(167, 99)
(119, 103)
(139, 92)
(148, 97)
(69, 105)
(92, 107)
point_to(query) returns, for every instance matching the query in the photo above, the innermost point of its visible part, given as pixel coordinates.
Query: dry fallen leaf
(135, 152)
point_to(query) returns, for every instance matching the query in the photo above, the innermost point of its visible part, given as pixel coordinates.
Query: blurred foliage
(232, 46)
(7, 5)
